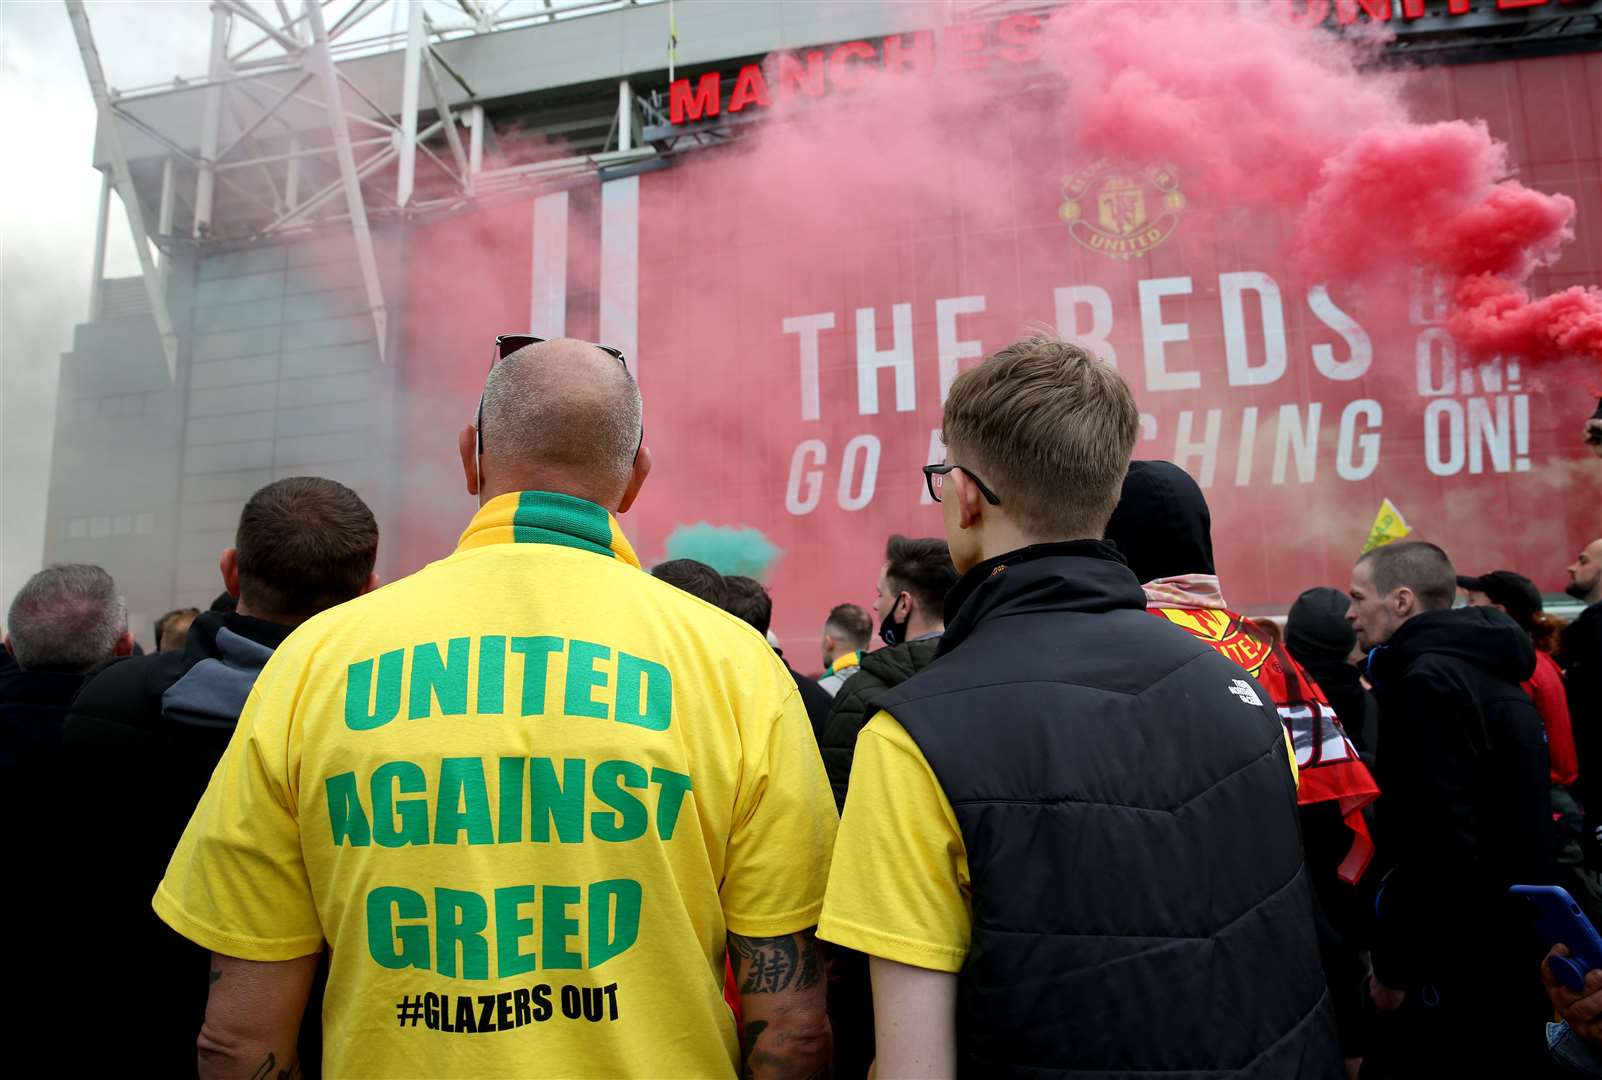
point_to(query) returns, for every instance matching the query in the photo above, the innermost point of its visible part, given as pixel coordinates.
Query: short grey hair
(536, 415)
(1423, 568)
(67, 617)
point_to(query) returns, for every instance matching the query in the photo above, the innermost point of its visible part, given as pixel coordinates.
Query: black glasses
(507, 344)
(935, 477)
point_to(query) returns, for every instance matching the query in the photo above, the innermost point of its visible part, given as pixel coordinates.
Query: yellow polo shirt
(523, 795)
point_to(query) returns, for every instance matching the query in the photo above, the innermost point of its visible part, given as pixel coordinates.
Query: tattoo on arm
(748, 1039)
(781, 981)
(775, 965)
(264, 1071)
(215, 975)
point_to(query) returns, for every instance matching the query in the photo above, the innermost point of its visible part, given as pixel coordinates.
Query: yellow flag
(1389, 527)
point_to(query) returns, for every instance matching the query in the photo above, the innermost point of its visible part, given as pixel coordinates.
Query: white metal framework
(123, 180)
(290, 140)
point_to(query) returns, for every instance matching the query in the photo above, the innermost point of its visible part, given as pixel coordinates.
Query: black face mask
(893, 631)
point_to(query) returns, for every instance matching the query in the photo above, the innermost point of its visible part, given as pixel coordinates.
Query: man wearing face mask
(910, 607)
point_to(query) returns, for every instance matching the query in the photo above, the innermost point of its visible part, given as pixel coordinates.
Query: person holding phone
(1577, 1042)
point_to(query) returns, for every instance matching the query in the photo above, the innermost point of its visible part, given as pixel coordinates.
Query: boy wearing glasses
(1070, 844)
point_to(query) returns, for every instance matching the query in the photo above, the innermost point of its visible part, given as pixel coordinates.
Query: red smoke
(1259, 115)
(1495, 315)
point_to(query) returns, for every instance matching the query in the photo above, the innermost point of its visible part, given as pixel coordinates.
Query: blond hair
(1050, 428)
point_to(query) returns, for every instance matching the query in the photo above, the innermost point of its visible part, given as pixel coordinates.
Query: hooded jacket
(190, 700)
(1464, 810)
(1161, 525)
(1140, 903)
(1162, 518)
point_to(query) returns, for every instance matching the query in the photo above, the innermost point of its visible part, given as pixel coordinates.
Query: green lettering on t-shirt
(628, 823)
(346, 817)
(387, 779)
(441, 680)
(561, 802)
(511, 800)
(657, 700)
(491, 675)
(536, 652)
(385, 904)
(365, 709)
(556, 927)
(462, 780)
(671, 787)
(459, 919)
(511, 929)
(611, 931)
(583, 678)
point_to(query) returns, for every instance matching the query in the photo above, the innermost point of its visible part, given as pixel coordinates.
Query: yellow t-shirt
(899, 887)
(523, 794)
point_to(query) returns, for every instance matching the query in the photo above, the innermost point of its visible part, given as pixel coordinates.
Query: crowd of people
(1086, 818)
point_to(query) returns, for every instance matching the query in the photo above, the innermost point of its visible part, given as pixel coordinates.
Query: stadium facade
(342, 223)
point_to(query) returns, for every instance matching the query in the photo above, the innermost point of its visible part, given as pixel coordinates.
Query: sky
(48, 198)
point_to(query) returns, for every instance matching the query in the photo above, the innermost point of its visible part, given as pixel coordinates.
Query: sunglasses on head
(507, 344)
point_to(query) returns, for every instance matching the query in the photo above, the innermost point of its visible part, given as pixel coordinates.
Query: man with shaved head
(1464, 813)
(528, 794)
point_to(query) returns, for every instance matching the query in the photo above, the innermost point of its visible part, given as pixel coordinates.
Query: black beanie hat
(1316, 626)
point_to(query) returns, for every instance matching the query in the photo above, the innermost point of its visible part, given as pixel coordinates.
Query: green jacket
(854, 706)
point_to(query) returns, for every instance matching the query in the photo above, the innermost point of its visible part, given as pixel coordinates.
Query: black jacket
(1140, 903)
(1464, 810)
(1581, 661)
(814, 697)
(186, 702)
(857, 701)
(1354, 705)
(33, 707)
(140, 745)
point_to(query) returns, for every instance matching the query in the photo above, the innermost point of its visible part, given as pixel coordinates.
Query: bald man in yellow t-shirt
(529, 797)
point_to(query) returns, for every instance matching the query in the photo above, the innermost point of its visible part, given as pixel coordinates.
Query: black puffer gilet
(1140, 903)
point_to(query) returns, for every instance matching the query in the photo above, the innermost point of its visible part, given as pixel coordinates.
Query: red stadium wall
(1197, 308)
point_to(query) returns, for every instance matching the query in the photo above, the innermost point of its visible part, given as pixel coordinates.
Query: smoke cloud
(728, 549)
(1263, 115)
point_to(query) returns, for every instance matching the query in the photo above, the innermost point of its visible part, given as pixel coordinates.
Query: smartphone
(1561, 921)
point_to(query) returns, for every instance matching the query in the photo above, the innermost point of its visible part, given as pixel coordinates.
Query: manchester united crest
(1226, 633)
(1121, 213)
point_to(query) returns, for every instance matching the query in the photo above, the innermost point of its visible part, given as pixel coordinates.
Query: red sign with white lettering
(793, 382)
